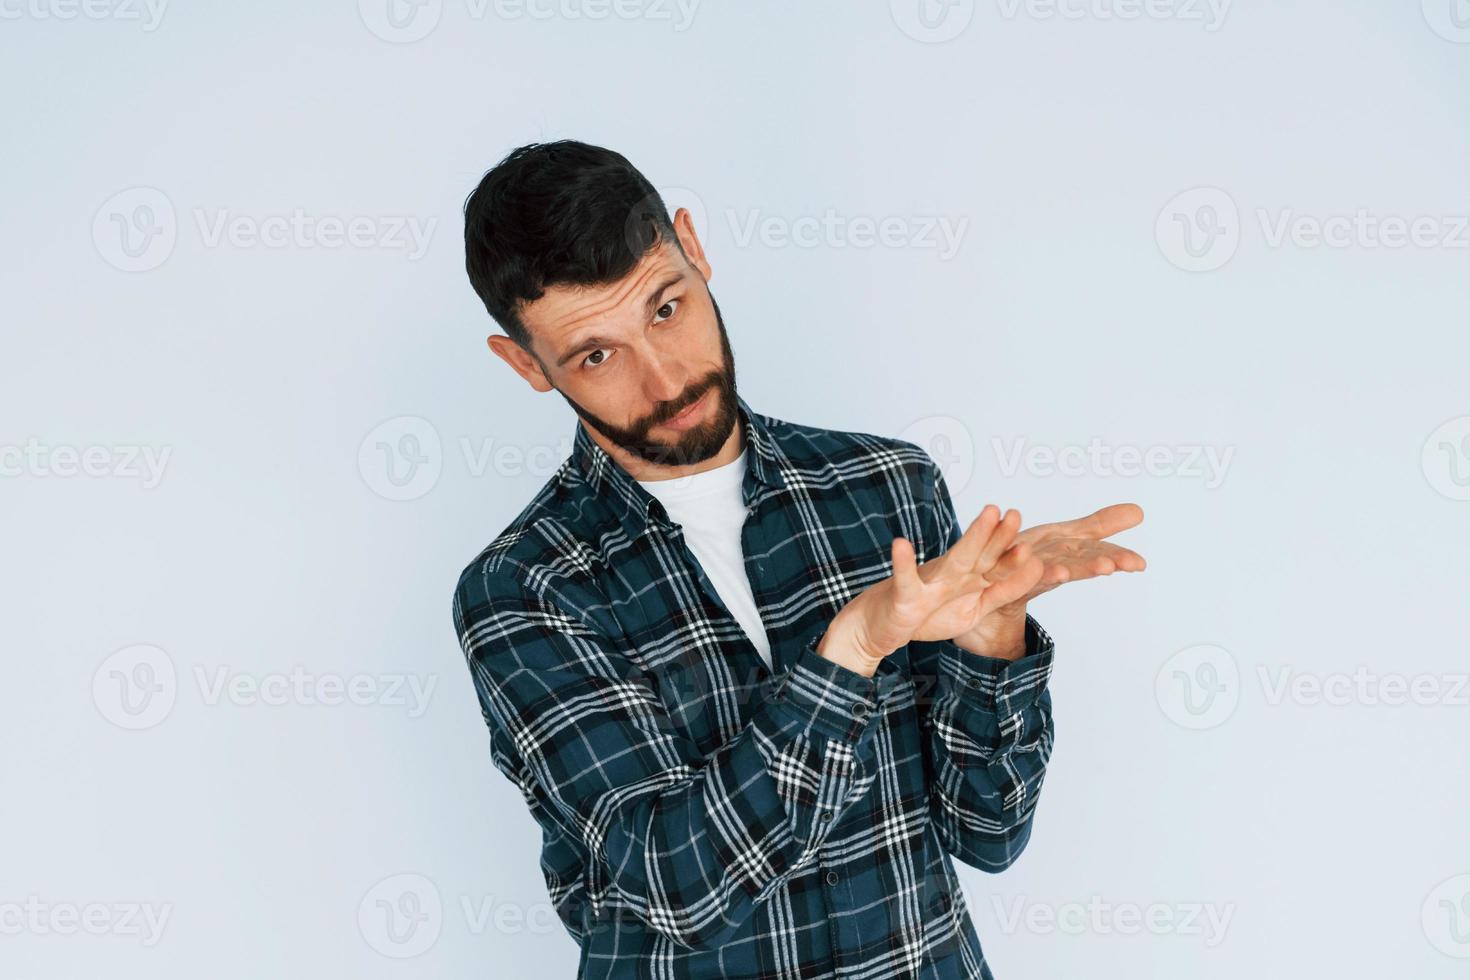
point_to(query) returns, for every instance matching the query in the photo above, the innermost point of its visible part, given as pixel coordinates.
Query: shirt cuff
(824, 695)
(1002, 686)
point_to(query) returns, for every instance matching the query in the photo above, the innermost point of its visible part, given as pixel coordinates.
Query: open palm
(1071, 551)
(1039, 559)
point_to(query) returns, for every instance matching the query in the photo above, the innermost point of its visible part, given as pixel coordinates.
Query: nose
(665, 379)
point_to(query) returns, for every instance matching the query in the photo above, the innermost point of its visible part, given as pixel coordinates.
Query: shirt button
(859, 710)
(831, 877)
(974, 682)
(824, 816)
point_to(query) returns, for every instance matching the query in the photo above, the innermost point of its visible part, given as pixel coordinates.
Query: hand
(1075, 550)
(928, 601)
(1008, 571)
(1070, 551)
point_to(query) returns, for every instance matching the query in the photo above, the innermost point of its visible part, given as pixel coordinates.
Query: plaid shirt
(703, 816)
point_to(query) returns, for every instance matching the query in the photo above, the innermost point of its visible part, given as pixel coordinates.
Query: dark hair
(562, 213)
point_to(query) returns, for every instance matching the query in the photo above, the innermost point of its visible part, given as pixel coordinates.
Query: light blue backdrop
(1209, 257)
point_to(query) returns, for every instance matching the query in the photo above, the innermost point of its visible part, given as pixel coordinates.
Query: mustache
(666, 414)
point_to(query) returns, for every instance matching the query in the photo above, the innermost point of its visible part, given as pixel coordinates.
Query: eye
(589, 357)
(670, 305)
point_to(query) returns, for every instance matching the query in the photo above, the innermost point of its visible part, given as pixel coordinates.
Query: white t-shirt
(711, 510)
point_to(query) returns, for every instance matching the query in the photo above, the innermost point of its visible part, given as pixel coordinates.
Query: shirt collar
(635, 508)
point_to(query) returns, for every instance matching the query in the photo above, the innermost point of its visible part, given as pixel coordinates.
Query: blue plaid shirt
(703, 816)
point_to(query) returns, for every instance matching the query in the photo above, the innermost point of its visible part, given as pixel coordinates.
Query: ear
(689, 241)
(521, 362)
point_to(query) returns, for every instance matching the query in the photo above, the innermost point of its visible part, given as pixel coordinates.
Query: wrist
(843, 648)
(1001, 635)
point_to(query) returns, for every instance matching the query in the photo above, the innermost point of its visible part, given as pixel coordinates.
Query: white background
(1075, 147)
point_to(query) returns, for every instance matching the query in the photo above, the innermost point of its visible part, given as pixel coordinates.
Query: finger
(1125, 559)
(1114, 518)
(1090, 563)
(968, 547)
(1079, 570)
(1009, 563)
(1102, 523)
(906, 581)
(1016, 585)
(1000, 539)
(1056, 575)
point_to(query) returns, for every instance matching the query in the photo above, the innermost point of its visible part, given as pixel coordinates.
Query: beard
(691, 445)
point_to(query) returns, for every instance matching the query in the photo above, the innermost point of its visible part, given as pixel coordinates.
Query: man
(756, 686)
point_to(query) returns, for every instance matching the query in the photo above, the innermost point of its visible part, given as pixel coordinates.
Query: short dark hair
(561, 213)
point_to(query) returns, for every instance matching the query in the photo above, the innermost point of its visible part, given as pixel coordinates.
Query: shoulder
(855, 455)
(549, 544)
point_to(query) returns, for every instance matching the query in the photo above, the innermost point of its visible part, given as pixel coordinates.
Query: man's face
(630, 357)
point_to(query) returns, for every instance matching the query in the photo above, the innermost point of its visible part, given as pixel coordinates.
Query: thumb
(906, 579)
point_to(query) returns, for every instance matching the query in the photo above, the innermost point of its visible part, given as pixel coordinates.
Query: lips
(685, 418)
(690, 410)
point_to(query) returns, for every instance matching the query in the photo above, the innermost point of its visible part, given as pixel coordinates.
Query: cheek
(704, 337)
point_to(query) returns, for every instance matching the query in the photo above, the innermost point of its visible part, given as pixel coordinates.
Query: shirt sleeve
(988, 725)
(688, 844)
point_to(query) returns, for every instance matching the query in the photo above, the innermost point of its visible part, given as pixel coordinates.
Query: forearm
(696, 849)
(990, 737)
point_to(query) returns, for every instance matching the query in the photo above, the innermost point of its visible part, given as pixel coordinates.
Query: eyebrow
(649, 305)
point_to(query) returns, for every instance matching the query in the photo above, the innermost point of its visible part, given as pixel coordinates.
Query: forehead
(559, 315)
